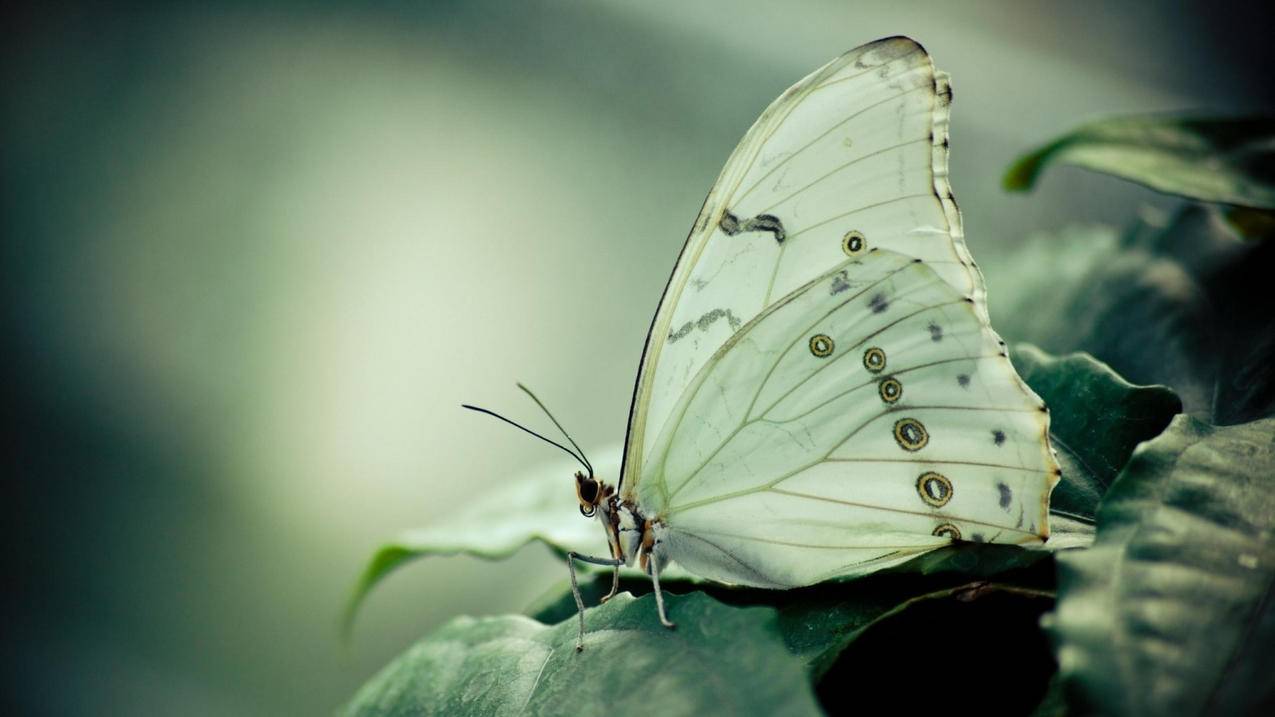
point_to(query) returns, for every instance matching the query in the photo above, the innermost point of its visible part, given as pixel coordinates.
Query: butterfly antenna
(521, 427)
(584, 459)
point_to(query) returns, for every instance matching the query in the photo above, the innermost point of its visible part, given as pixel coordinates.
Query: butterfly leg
(572, 557)
(615, 584)
(653, 566)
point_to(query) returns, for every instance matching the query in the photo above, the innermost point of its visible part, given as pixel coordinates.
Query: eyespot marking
(910, 434)
(821, 345)
(935, 488)
(854, 242)
(890, 389)
(874, 360)
(947, 530)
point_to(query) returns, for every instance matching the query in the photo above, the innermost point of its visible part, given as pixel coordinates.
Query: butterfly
(821, 394)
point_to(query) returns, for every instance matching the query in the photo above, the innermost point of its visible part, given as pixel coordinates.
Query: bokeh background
(254, 258)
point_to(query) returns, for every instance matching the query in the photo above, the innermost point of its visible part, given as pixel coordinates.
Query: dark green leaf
(1054, 704)
(818, 622)
(1248, 223)
(1176, 301)
(1096, 420)
(972, 560)
(971, 649)
(1146, 317)
(1231, 161)
(1171, 610)
(719, 660)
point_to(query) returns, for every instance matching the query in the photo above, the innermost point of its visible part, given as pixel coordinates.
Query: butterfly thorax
(630, 535)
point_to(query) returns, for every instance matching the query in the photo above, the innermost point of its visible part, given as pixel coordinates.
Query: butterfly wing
(865, 417)
(852, 157)
(777, 447)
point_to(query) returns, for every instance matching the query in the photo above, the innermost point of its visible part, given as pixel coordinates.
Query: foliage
(1231, 161)
(722, 659)
(1169, 611)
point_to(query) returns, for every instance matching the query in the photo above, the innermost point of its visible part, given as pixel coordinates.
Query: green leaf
(818, 622)
(1178, 301)
(719, 660)
(1096, 420)
(1231, 161)
(1171, 610)
(1127, 303)
(537, 507)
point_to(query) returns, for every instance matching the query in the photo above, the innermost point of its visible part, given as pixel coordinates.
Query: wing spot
(874, 360)
(936, 332)
(854, 243)
(732, 225)
(878, 303)
(821, 345)
(910, 434)
(704, 322)
(840, 283)
(998, 437)
(947, 530)
(963, 380)
(1006, 495)
(935, 488)
(890, 389)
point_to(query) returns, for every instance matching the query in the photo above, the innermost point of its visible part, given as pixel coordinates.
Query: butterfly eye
(587, 489)
(854, 243)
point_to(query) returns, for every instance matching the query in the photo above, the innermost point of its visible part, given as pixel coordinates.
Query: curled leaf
(1230, 161)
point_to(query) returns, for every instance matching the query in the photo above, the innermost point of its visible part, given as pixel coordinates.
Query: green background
(254, 258)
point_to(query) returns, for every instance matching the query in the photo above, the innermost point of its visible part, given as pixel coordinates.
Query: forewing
(865, 417)
(851, 158)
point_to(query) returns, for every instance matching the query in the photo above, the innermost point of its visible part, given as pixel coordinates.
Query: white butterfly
(821, 394)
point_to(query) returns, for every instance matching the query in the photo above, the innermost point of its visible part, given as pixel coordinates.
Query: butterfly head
(591, 493)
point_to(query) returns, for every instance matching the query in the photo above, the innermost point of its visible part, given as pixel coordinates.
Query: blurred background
(254, 258)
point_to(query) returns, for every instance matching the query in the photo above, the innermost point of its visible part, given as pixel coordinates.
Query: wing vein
(842, 168)
(761, 384)
(825, 133)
